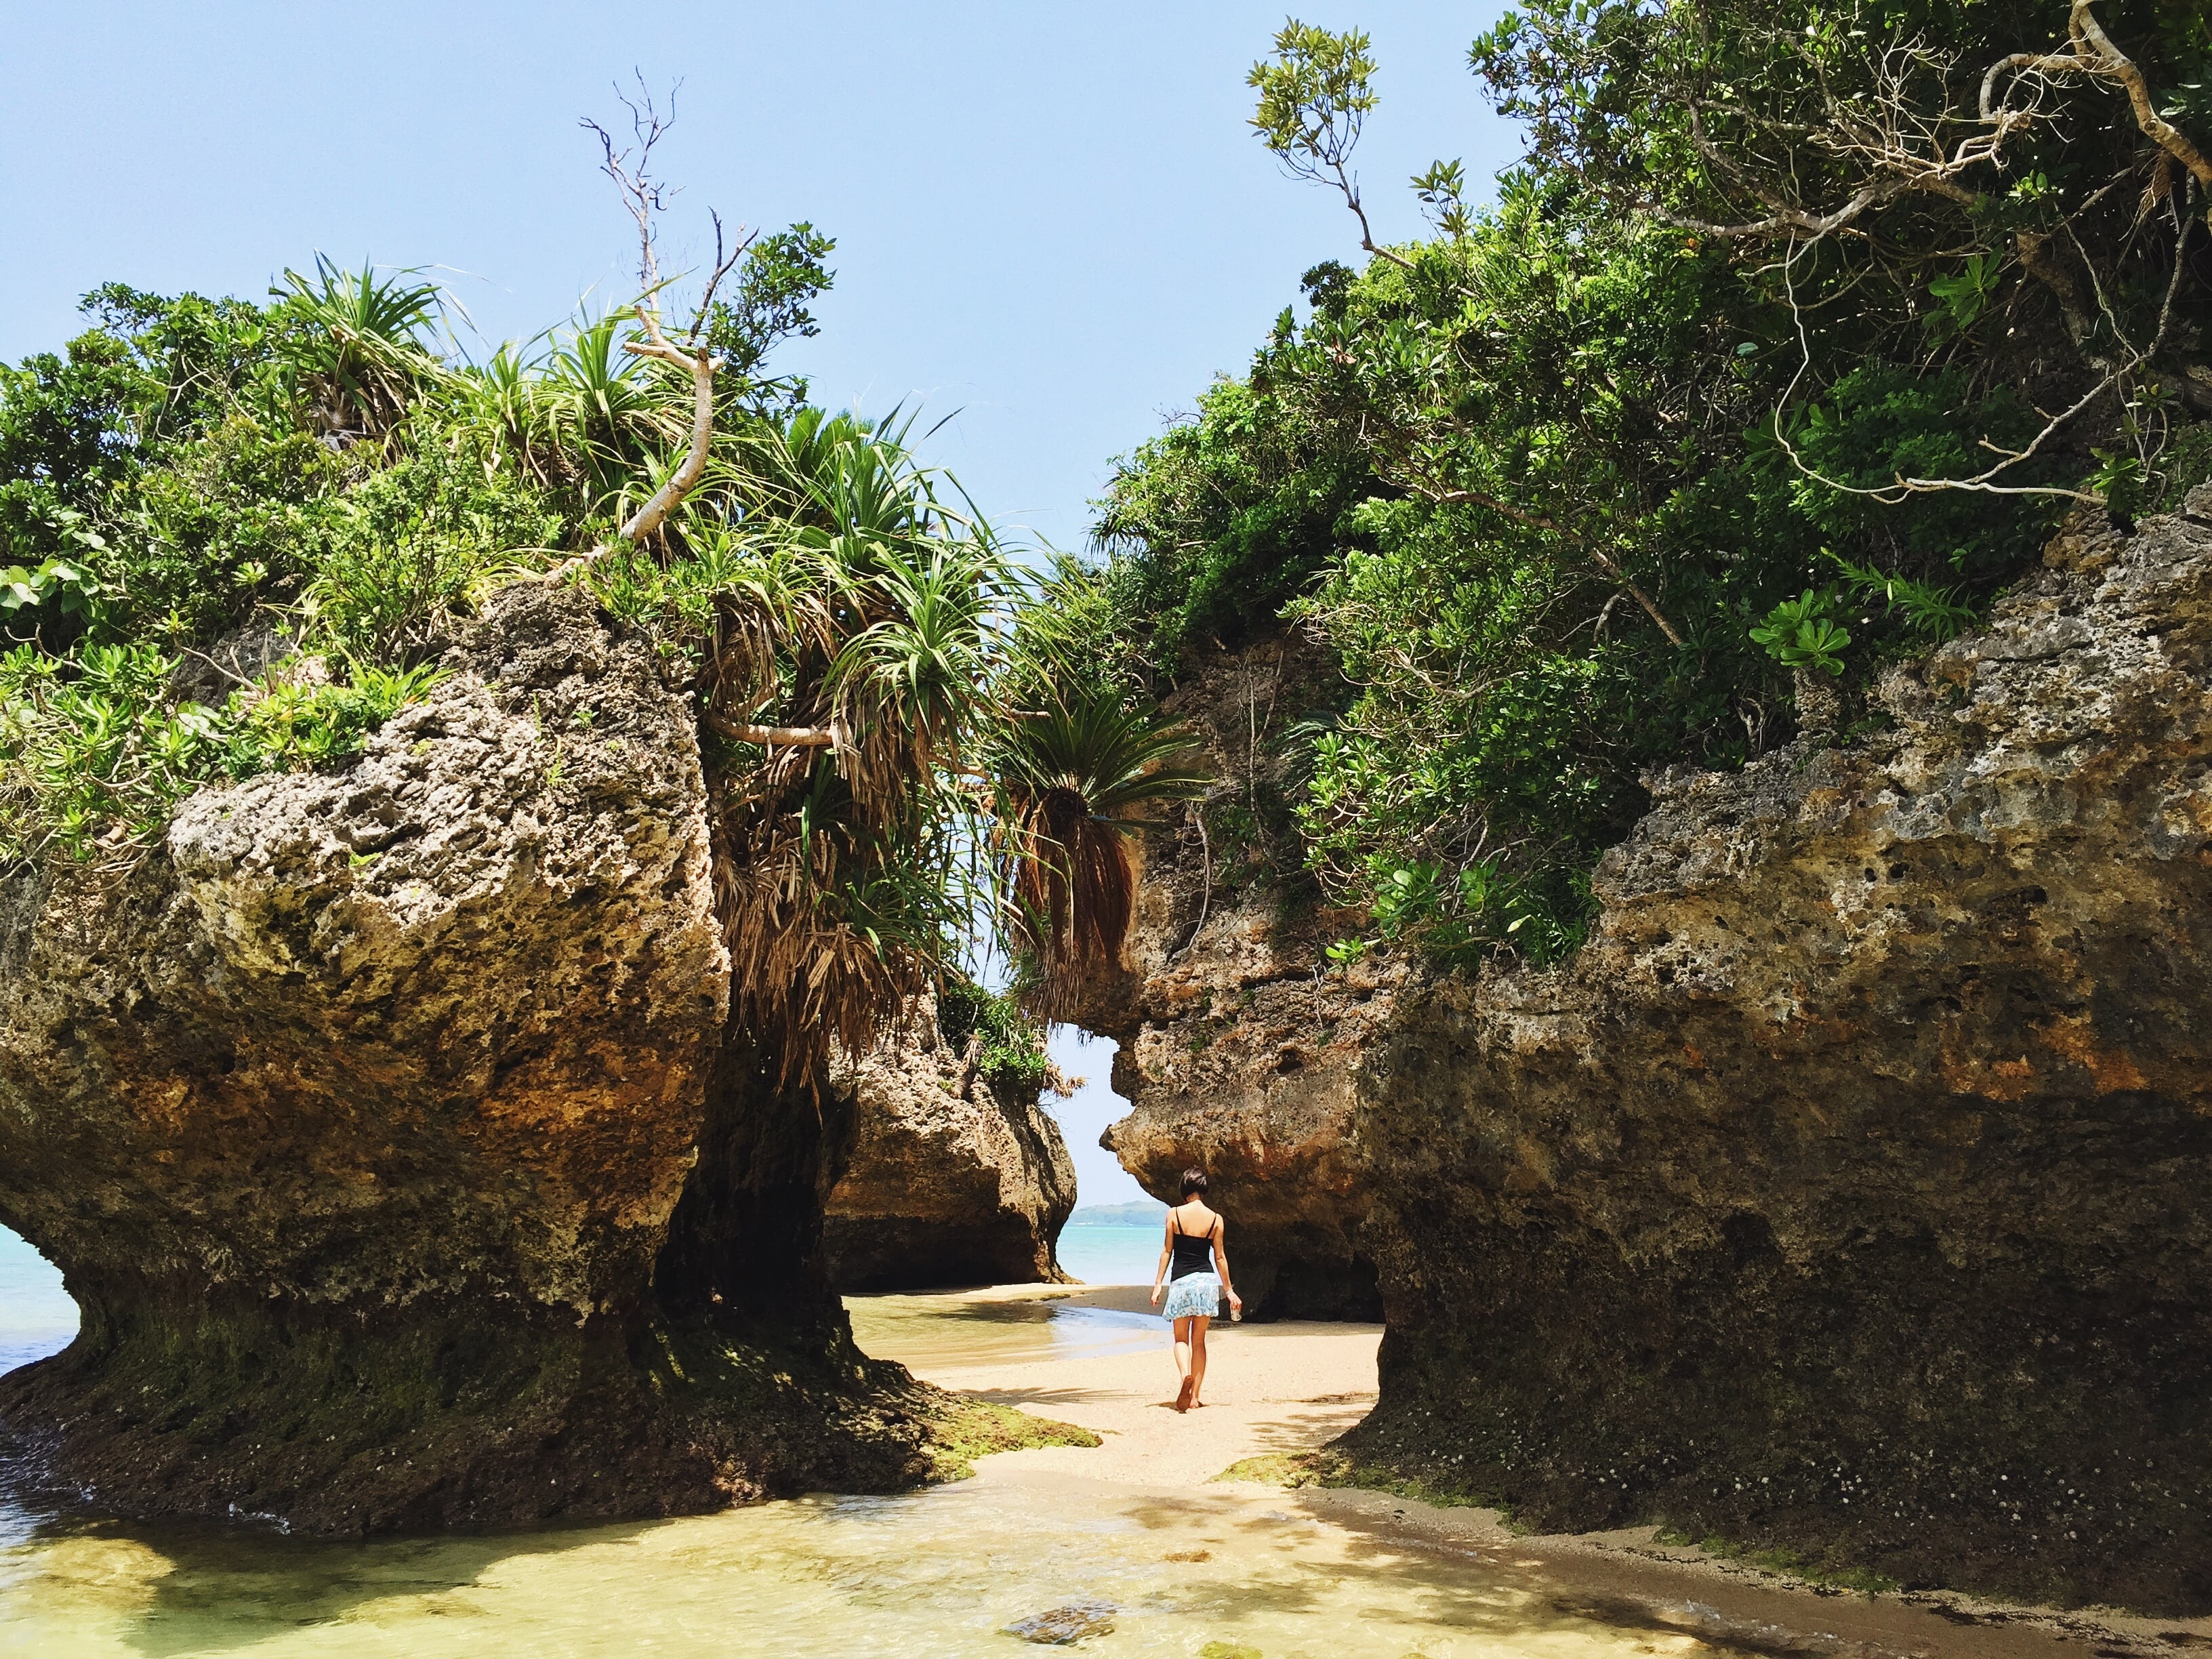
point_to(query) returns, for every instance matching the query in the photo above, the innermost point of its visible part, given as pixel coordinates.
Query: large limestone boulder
(947, 1183)
(1851, 1190)
(383, 1126)
(1237, 1056)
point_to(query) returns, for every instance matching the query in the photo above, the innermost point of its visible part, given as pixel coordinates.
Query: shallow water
(1206, 1572)
(939, 1572)
(944, 1571)
(1110, 1255)
(938, 1330)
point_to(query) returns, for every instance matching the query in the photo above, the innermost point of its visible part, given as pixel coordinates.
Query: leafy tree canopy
(235, 538)
(1793, 332)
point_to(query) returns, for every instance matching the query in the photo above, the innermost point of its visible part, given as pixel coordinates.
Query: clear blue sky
(1053, 222)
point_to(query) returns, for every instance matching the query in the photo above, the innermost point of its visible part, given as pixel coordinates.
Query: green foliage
(95, 751)
(1073, 779)
(1573, 489)
(1930, 614)
(287, 726)
(313, 467)
(1803, 633)
(351, 344)
(771, 296)
(1223, 518)
(1880, 423)
(199, 482)
(1314, 96)
(1013, 1058)
(2188, 464)
(415, 544)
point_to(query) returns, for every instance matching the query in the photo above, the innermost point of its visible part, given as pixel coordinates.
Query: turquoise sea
(37, 1318)
(1110, 1255)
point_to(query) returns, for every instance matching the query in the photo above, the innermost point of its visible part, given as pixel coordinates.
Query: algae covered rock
(366, 1120)
(1061, 1626)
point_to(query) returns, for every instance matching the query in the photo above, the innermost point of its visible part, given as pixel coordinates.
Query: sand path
(1272, 1387)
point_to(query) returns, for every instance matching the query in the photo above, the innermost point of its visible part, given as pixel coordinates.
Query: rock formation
(1847, 1193)
(1235, 1054)
(382, 1124)
(946, 1184)
(1849, 1190)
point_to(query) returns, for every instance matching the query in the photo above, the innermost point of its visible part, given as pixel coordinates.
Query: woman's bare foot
(1183, 1395)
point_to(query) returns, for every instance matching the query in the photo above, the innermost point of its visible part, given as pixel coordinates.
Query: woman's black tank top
(1194, 1252)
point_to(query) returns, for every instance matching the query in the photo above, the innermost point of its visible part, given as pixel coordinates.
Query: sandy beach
(1270, 1387)
(1098, 1356)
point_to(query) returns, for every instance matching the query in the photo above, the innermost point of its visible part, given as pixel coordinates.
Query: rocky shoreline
(386, 1128)
(1845, 1194)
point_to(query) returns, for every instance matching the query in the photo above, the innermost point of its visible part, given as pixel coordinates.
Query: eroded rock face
(1849, 1191)
(946, 1184)
(358, 1116)
(1235, 1056)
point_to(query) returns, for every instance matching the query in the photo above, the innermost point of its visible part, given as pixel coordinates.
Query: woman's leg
(1182, 1346)
(1198, 1324)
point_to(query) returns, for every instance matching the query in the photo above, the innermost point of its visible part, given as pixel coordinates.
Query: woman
(1194, 1289)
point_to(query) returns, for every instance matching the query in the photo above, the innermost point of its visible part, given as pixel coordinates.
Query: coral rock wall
(381, 1124)
(946, 1184)
(1851, 1190)
(1236, 1057)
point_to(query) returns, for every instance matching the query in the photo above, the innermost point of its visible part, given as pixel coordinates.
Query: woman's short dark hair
(1194, 1181)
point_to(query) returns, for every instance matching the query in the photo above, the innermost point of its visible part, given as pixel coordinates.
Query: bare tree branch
(1350, 189)
(2095, 57)
(1984, 483)
(646, 198)
(790, 737)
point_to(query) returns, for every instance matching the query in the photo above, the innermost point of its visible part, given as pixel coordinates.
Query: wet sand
(1098, 1356)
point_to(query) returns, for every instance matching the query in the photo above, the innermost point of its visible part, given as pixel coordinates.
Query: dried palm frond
(1074, 778)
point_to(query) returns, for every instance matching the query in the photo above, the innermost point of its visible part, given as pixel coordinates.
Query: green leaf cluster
(1012, 1058)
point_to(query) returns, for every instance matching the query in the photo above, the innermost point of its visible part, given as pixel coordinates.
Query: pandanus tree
(882, 784)
(889, 770)
(1075, 779)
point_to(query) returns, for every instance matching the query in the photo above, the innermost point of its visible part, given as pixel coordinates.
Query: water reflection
(945, 1329)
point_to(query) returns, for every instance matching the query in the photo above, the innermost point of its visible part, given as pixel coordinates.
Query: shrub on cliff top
(1735, 376)
(240, 535)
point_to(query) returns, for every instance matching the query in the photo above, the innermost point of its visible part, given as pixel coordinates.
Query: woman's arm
(1221, 1259)
(1167, 1249)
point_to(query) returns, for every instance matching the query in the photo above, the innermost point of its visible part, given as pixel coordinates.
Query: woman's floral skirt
(1194, 1293)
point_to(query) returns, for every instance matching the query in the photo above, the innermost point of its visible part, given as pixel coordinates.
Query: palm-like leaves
(860, 625)
(354, 344)
(1074, 778)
